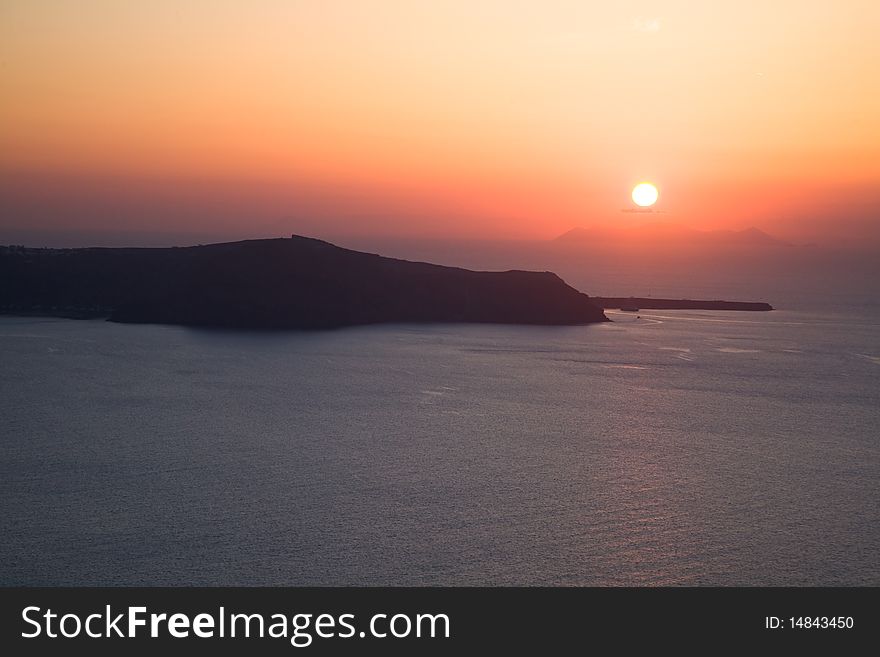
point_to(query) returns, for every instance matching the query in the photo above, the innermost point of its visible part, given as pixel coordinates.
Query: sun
(645, 194)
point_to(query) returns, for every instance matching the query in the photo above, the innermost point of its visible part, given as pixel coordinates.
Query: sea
(664, 448)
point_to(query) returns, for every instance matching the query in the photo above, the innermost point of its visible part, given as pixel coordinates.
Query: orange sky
(446, 118)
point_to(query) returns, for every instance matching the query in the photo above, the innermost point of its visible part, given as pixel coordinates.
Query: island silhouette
(295, 283)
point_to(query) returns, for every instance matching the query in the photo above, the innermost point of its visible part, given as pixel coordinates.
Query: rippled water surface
(677, 448)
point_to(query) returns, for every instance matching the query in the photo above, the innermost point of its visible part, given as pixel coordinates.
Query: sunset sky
(453, 118)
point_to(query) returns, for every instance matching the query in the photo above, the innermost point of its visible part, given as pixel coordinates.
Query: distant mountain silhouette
(668, 234)
(276, 283)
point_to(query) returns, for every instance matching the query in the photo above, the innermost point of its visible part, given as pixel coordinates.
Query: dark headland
(276, 284)
(648, 303)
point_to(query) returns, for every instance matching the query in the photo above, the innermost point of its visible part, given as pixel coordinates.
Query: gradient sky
(450, 118)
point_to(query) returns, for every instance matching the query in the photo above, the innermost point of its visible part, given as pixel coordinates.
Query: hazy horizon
(675, 236)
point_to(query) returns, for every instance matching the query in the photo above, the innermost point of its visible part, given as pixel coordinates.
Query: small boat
(630, 309)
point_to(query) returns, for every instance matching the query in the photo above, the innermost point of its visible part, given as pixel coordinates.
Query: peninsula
(648, 303)
(299, 283)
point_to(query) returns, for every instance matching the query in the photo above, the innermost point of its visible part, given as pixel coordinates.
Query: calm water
(681, 448)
